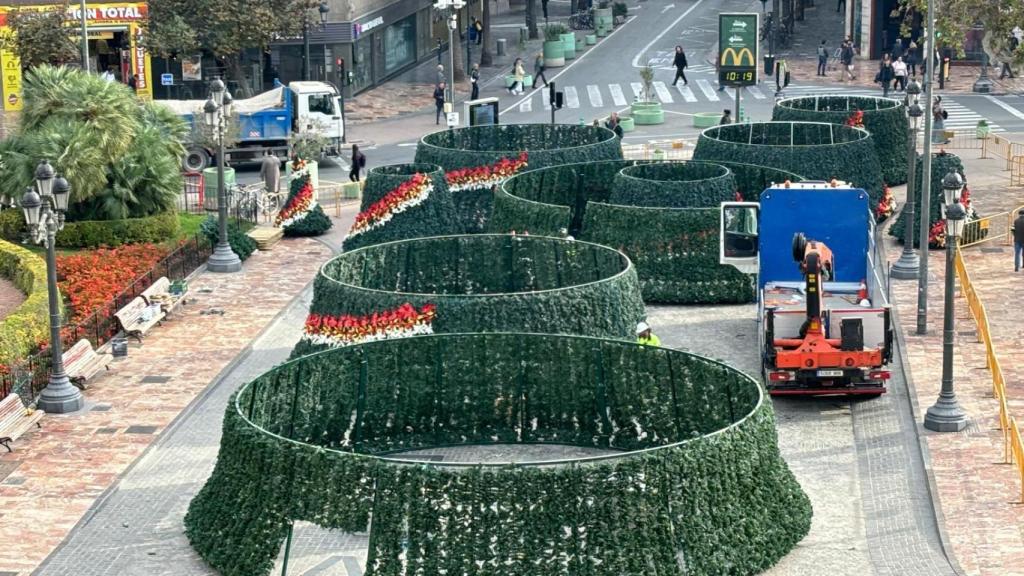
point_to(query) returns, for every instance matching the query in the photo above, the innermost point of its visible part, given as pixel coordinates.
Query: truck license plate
(830, 373)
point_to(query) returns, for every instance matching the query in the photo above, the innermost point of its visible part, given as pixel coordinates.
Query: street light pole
(926, 176)
(44, 210)
(85, 39)
(217, 111)
(907, 267)
(946, 415)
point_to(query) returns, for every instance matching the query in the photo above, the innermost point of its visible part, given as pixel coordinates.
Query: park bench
(15, 419)
(132, 318)
(81, 362)
(160, 293)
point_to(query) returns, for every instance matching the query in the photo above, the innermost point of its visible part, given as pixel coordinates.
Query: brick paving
(63, 468)
(979, 496)
(10, 297)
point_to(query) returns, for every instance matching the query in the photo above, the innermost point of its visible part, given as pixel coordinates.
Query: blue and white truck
(269, 122)
(825, 320)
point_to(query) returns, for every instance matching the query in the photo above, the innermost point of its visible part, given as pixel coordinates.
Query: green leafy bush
(240, 242)
(435, 216)
(553, 32)
(92, 233)
(884, 118)
(818, 151)
(751, 179)
(302, 443)
(486, 283)
(942, 163)
(29, 324)
(546, 144)
(673, 185)
(619, 9)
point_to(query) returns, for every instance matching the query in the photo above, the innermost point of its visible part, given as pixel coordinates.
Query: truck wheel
(196, 160)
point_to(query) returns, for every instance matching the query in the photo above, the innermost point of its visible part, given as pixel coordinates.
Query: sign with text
(11, 66)
(737, 49)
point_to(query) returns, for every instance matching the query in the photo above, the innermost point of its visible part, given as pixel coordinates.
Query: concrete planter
(569, 45)
(706, 119)
(645, 106)
(627, 123)
(981, 131)
(527, 81)
(581, 45)
(646, 113)
(554, 54)
(603, 19)
(591, 39)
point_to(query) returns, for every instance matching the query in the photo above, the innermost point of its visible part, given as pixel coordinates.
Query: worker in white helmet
(644, 335)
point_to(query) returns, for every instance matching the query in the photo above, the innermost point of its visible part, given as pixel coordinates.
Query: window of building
(400, 44)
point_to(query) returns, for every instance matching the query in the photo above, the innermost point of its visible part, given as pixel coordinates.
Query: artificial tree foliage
(698, 488)
(486, 283)
(885, 118)
(315, 222)
(545, 144)
(817, 151)
(673, 185)
(942, 163)
(435, 216)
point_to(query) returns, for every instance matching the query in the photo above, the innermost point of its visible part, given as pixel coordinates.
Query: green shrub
(435, 216)
(487, 283)
(818, 151)
(619, 9)
(12, 225)
(709, 484)
(884, 118)
(673, 185)
(751, 179)
(94, 233)
(942, 163)
(240, 242)
(547, 145)
(29, 324)
(553, 32)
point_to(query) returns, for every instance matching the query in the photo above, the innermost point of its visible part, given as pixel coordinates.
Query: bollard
(524, 34)
(501, 46)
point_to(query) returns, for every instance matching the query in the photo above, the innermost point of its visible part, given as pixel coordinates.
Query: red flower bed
(90, 280)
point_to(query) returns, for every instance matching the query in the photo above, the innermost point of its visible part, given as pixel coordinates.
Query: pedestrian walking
(471, 32)
(899, 71)
(679, 61)
(439, 101)
(840, 5)
(822, 58)
(726, 117)
(544, 7)
(846, 57)
(1018, 240)
(474, 81)
(897, 49)
(440, 73)
(913, 58)
(538, 69)
(358, 163)
(518, 74)
(614, 125)
(1012, 44)
(479, 27)
(939, 116)
(270, 172)
(439, 51)
(885, 74)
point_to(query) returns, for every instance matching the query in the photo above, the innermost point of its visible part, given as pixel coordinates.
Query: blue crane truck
(269, 122)
(825, 320)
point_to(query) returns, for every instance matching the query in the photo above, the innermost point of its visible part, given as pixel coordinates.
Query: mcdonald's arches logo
(742, 57)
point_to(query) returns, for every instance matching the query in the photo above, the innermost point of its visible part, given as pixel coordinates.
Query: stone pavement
(979, 496)
(55, 475)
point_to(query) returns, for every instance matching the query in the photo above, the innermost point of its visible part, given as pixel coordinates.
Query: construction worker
(644, 335)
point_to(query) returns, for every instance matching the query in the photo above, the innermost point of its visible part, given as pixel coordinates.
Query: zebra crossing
(618, 96)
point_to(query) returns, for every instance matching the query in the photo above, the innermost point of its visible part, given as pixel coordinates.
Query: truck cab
(318, 108)
(826, 331)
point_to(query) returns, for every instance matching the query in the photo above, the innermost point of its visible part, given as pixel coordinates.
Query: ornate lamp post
(906, 268)
(453, 23)
(946, 415)
(44, 210)
(323, 9)
(217, 110)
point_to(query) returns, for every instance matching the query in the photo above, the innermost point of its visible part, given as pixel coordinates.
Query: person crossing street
(679, 61)
(538, 70)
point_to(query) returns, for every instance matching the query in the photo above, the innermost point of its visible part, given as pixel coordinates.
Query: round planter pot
(647, 117)
(554, 54)
(603, 18)
(981, 132)
(527, 81)
(636, 107)
(581, 45)
(706, 119)
(591, 39)
(569, 45)
(627, 123)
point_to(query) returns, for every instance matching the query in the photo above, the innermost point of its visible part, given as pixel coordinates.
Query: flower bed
(475, 283)
(697, 475)
(90, 280)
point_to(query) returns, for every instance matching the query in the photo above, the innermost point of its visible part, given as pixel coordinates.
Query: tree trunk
(531, 18)
(460, 56)
(235, 73)
(573, 6)
(485, 51)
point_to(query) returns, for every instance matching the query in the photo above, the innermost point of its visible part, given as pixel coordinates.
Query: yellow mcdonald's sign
(743, 57)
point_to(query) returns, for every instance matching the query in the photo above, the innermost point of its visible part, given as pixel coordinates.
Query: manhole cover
(8, 466)
(140, 430)
(992, 250)
(100, 408)
(155, 379)
(106, 430)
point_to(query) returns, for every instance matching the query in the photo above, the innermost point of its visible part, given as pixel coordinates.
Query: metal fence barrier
(659, 150)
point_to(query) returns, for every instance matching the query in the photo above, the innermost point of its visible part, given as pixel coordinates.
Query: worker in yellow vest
(644, 335)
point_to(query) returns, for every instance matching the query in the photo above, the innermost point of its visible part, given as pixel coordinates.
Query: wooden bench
(15, 419)
(131, 320)
(160, 293)
(81, 362)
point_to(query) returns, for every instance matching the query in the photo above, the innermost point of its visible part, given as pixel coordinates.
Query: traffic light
(559, 99)
(551, 93)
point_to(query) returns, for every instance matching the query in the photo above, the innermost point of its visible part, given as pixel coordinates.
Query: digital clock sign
(737, 49)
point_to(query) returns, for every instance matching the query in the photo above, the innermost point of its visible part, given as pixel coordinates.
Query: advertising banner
(737, 49)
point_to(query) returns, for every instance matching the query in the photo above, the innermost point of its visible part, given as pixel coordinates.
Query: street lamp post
(452, 7)
(323, 9)
(926, 174)
(946, 415)
(217, 110)
(85, 38)
(44, 210)
(907, 267)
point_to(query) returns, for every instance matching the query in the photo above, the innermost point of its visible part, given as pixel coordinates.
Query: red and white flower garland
(346, 330)
(410, 193)
(485, 176)
(300, 205)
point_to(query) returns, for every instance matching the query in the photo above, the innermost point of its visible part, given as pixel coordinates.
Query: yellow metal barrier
(1001, 147)
(1013, 449)
(987, 229)
(1017, 171)
(658, 150)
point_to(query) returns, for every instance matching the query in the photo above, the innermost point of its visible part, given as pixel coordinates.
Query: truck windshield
(322, 103)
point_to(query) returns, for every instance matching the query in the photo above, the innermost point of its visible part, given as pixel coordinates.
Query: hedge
(22, 329)
(241, 243)
(675, 250)
(94, 233)
(942, 163)
(545, 144)
(884, 118)
(752, 179)
(480, 283)
(700, 487)
(435, 216)
(673, 185)
(818, 151)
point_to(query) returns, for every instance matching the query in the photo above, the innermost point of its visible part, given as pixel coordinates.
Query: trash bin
(501, 46)
(210, 184)
(119, 347)
(769, 64)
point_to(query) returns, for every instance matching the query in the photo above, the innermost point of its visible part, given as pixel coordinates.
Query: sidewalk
(56, 474)
(979, 496)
